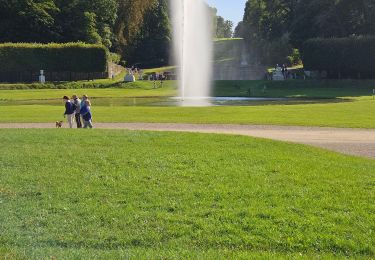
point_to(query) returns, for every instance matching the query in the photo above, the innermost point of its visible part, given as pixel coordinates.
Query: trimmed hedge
(341, 57)
(68, 57)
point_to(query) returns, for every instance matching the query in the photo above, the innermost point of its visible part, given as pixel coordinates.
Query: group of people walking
(79, 111)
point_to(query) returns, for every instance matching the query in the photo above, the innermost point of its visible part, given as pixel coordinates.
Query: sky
(229, 9)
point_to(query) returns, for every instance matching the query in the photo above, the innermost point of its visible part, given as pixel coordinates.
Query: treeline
(139, 30)
(276, 29)
(221, 28)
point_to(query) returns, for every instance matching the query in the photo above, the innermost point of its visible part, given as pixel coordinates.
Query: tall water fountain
(192, 27)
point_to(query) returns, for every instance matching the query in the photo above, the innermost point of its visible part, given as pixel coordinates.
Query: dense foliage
(221, 28)
(340, 57)
(120, 25)
(274, 28)
(150, 46)
(72, 57)
(46, 21)
(138, 30)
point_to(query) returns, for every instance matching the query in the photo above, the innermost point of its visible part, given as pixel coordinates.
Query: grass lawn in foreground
(110, 194)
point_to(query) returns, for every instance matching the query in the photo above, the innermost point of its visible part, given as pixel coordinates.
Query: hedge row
(68, 57)
(343, 57)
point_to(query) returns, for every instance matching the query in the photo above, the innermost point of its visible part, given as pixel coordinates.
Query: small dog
(59, 124)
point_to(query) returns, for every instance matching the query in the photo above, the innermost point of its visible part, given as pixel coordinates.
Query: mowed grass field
(358, 114)
(315, 103)
(122, 194)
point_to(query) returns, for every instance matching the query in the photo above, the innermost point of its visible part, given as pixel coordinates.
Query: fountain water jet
(192, 27)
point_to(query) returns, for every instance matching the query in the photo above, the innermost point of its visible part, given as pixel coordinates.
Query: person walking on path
(77, 104)
(86, 112)
(69, 111)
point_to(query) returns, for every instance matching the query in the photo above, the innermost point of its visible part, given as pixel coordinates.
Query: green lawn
(358, 114)
(121, 194)
(318, 103)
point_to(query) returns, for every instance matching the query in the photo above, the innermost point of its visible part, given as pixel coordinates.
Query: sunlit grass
(321, 104)
(114, 194)
(358, 114)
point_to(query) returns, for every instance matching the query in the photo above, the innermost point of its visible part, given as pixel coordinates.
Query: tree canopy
(289, 23)
(123, 26)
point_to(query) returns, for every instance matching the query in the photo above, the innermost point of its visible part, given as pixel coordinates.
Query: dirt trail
(360, 142)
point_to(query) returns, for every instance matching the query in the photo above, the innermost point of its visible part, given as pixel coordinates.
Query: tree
(239, 30)
(27, 20)
(57, 21)
(224, 28)
(228, 29)
(135, 28)
(87, 21)
(130, 16)
(151, 47)
(265, 29)
(341, 18)
(106, 15)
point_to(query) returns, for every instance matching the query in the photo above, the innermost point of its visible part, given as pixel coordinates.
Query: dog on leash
(59, 124)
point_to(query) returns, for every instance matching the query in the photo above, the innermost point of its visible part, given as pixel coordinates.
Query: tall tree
(87, 21)
(239, 30)
(151, 47)
(130, 16)
(332, 18)
(27, 20)
(135, 28)
(224, 28)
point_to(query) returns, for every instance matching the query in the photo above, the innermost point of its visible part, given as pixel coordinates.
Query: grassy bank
(129, 90)
(164, 195)
(295, 88)
(253, 88)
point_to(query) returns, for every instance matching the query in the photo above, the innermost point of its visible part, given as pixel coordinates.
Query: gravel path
(360, 142)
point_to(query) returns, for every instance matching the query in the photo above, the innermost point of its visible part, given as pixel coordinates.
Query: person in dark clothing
(161, 80)
(285, 71)
(86, 112)
(69, 111)
(77, 104)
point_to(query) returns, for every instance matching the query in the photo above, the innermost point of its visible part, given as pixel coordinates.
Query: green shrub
(341, 57)
(68, 57)
(294, 58)
(115, 58)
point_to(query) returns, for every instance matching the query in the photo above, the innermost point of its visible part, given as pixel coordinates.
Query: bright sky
(229, 9)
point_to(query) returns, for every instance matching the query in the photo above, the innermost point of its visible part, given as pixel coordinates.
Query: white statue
(129, 76)
(42, 78)
(278, 74)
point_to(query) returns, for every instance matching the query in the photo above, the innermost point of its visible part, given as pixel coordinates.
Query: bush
(341, 57)
(115, 58)
(294, 58)
(69, 57)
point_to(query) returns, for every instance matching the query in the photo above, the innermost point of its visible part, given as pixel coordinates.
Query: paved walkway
(360, 142)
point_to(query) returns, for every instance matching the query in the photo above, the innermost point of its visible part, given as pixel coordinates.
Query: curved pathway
(359, 142)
